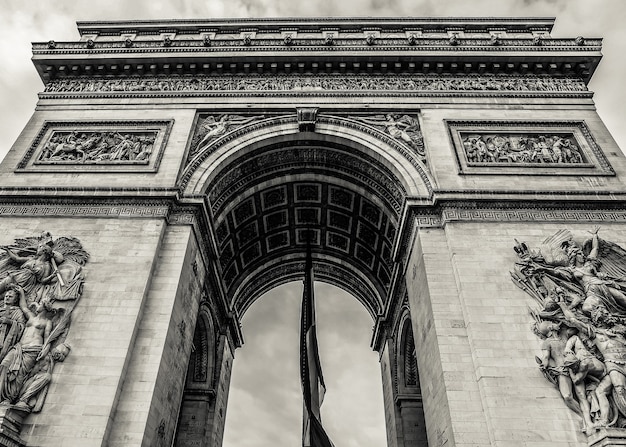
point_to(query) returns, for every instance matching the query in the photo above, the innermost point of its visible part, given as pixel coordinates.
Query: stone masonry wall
(150, 399)
(480, 337)
(85, 387)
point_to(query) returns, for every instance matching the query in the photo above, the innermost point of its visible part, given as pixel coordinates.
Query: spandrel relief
(211, 127)
(403, 128)
(580, 317)
(41, 281)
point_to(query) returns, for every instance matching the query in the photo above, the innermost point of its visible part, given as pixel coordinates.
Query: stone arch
(197, 409)
(267, 183)
(411, 172)
(410, 423)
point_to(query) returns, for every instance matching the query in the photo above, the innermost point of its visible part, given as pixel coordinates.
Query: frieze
(580, 317)
(41, 280)
(502, 148)
(304, 83)
(72, 147)
(519, 212)
(103, 146)
(527, 148)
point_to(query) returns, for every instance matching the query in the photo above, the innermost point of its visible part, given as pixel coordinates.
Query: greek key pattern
(460, 214)
(84, 211)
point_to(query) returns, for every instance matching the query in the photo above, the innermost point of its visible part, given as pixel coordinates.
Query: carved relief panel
(532, 148)
(111, 146)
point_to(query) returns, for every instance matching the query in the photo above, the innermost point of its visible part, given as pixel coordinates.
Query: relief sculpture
(527, 148)
(317, 83)
(212, 127)
(403, 128)
(580, 289)
(41, 281)
(98, 147)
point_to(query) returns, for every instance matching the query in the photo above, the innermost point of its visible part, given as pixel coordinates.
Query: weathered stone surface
(375, 177)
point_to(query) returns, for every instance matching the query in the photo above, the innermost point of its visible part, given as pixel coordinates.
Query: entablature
(186, 47)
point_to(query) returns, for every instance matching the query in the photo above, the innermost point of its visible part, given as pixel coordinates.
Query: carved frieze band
(414, 41)
(533, 148)
(460, 214)
(104, 146)
(84, 210)
(317, 83)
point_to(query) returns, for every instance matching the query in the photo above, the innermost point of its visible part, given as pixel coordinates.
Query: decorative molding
(527, 148)
(221, 44)
(307, 118)
(84, 210)
(513, 212)
(102, 146)
(324, 270)
(379, 128)
(306, 83)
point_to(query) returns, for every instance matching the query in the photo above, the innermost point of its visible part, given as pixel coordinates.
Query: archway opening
(265, 401)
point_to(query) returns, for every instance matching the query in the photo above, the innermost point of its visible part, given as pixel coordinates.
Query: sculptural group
(580, 289)
(536, 149)
(41, 281)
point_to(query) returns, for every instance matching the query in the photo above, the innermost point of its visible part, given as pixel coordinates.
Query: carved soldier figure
(553, 358)
(35, 269)
(610, 340)
(20, 360)
(12, 322)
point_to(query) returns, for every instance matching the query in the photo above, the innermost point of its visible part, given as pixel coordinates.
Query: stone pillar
(450, 394)
(225, 356)
(391, 417)
(150, 398)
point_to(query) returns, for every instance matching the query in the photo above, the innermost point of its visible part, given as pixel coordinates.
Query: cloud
(266, 377)
(265, 405)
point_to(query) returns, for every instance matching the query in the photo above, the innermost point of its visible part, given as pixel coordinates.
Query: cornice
(509, 23)
(349, 45)
(557, 56)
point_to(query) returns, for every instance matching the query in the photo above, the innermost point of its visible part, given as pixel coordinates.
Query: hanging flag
(313, 388)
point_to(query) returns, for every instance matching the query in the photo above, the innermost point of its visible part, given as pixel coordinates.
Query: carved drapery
(580, 318)
(41, 280)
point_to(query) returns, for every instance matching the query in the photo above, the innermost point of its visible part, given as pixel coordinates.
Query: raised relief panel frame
(527, 148)
(97, 146)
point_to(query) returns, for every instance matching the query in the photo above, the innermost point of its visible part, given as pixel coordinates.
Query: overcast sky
(265, 403)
